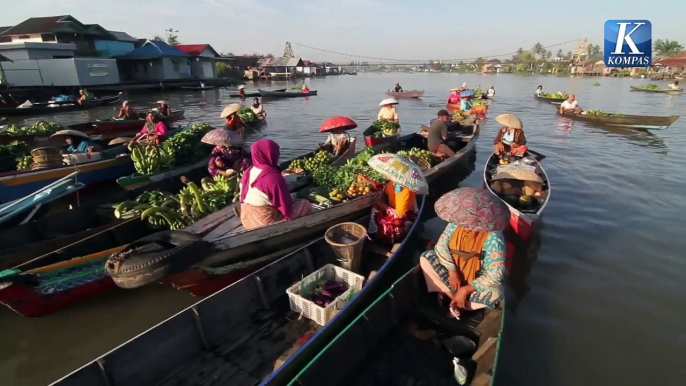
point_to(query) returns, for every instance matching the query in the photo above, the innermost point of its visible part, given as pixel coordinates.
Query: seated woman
(227, 157)
(388, 111)
(78, 142)
(454, 97)
(154, 130)
(241, 91)
(466, 266)
(257, 108)
(539, 90)
(265, 197)
(233, 121)
(466, 102)
(126, 112)
(673, 86)
(84, 95)
(337, 142)
(305, 90)
(510, 140)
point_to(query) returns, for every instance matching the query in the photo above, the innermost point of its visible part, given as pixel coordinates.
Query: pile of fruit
(458, 115)
(419, 153)
(556, 95)
(246, 115)
(310, 164)
(24, 162)
(384, 128)
(650, 86)
(478, 92)
(11, 153)
(41, 128)
(601, 113)
(176, 211)
(596, 83)
(150, 159)
(479, 102)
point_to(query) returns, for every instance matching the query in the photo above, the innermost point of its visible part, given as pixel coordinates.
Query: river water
(598, 301)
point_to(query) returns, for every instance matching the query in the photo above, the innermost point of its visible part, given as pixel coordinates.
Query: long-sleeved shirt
(389, 113)
(160, 129)
(228, 156)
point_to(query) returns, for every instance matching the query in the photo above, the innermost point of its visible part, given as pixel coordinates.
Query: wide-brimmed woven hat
(162, 102)
(518, 174)
(509, 120)
(119, 141)
(241, 87)
(230, 109)
(59, 136)
(401, 171)
(467, 93)
(454, 89)
(388, 101)
(473, 208)
(222, 137)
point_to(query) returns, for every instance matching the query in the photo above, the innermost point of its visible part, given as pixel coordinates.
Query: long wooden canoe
(249, 322)
(383, 345)
(286, 94)
(522, 220)
(555, 101)
(659, 91)
(406, 94)
(637, 121)
(253, 94)
(197, 88)
(58, 108)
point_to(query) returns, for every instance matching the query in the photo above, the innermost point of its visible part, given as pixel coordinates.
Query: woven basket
(45, 151)
(46, 165)
(349, 252)
(421, 162)
(47, 159)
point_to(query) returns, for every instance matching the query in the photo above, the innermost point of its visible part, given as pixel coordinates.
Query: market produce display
(479, 102)
(246, 115)
(24, 162)
(459, 115)
(478, 92)
(650, 86)
(150, 159)
(180, 149)
(556, 95)
(164, 210)
(326, 291)
(11, 153)
(41, 128)
(417, 152)
(310, 164)
(601, 113)
(384, 128)
(596, 83)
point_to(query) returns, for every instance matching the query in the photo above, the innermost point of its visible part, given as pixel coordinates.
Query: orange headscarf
(465, 248)
(402, 202)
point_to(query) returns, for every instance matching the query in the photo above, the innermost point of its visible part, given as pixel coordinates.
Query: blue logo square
(628, 43)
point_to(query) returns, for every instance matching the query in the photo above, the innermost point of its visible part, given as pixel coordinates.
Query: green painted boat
(657, 91)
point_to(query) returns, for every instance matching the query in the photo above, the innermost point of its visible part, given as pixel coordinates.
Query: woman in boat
(467, 264)
(126, 112)
(388, 111)
(227, 157)
(674, 86)
(84, 95)
(78, 141)
(338, 141)
(241, 91)
(510, 140)
(258, 109)
(539, 90)
(305, 90)
(393, 214)
(491, 92)
(163, 108)
(233, 121)
(265, 197)
(466, 101)
(570, 105)
(398, 88)
(154, 130)
(454, 97)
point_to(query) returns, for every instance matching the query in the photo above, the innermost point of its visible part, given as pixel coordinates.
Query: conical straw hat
(222, 137)
(474, 209)
(388, 101)
(401, 171)
(509, 120)
(230, 109)
(58, 137)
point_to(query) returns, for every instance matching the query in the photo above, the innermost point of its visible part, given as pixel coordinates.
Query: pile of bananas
(417, 152)
(38, 128)
(24, 162)
(150, 159)
(164, 210)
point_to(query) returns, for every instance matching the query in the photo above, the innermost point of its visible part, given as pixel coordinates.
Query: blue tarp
(154, 49)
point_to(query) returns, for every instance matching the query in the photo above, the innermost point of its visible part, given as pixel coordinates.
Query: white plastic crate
(78, 158)
(321, 315)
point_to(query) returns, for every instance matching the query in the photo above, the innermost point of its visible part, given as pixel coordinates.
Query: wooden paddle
(539, 157)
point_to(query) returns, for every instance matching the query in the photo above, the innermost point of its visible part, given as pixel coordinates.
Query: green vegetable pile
(417, 152)
(478, 92)
(649, 86)
(176, 211)
(246, 115)
(479, 102)
(11, 153)
(344, 176)
(310, 164)
(596, 83)
(557, 95)
(25, 162)
(42, 128)
(601, 113)
(384, 128)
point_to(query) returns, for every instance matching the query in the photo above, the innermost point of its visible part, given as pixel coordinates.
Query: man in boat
(126, 112)
(438, 135)
(570, 106)
(305, 90)
(539, 90)
(84, 95)
(491, 92)
(398, 88)
(241, 91)
(388, 111)
(673, 86)
(257, 108)
(163, 108)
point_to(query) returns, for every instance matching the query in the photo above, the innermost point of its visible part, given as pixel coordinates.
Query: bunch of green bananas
(185, 147)
(24, 162)
(150, 159)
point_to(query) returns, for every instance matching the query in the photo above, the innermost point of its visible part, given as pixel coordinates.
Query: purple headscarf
(265, 156)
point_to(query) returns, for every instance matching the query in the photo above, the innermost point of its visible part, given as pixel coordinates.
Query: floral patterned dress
(489, 278)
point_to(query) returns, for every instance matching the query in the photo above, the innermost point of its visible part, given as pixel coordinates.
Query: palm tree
(560, 54)
(665, 48)
(548, 55)
(593, 50)
(538, 49)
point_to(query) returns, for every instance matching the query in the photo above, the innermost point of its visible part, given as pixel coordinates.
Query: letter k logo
(622, 36)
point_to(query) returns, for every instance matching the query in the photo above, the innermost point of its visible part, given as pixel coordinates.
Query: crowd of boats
(271, 239)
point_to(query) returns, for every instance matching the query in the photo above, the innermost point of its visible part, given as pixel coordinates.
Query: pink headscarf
(265, 156)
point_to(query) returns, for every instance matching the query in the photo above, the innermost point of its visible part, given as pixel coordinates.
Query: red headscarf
(265, 156)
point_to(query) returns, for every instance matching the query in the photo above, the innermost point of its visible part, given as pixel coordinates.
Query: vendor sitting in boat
(257, 108)
(338, 142)
(388, 111)
(467, 264)
(265, 197)
(84, 95)
(466, 101)
(126, 112)
(454, 97)
(233, 121)
(78, 141)
(539, 90)
(305, 90)
(491, 92)
(438, 135)
(393, 214)
(154, 130)
(227, 157)
(673, 86)
(163, 108)
(398, 88)
(241, 91)
(570, 106)
(510, 140)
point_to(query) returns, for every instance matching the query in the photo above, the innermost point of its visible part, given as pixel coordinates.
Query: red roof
(195, 49)
(677, 60)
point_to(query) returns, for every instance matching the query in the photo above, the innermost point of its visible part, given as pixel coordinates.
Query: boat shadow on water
(634, 135)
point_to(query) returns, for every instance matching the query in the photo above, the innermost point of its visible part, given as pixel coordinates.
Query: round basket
(45, 151)
(48, 159)
(421, 162)
(347, 240)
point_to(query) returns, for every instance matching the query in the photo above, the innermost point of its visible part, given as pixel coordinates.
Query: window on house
(98, 69)
(48, 37)
(177, 65)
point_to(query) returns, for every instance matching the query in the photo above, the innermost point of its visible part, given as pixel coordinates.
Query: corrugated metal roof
(677, 60)
(123, 36)
(56, 24)
(153, 49)
(294, 62)
(195, 49)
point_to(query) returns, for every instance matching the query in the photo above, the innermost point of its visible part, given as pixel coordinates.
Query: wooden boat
(383, 345)
(372, 140)
(253, 94)
(636, 121)
(122, 127)
(659, 91)
(465, 144)
(37, 199)
(406, 94)
(59, 107)
(197, 88)
(286, 94)
(522, 220)
(248, 321)
(555, 101)
(136, 181)
(483, 109)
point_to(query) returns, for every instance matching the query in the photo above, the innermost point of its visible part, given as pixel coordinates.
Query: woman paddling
(388, 111)
(454, 97)
(257, 108)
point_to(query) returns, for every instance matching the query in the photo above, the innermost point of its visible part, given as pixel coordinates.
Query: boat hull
(658, 91)
(371, 140)
(555, 101)
(45, 109)
(111, 126)
(406, 94)
(635, 121)
(286, 94)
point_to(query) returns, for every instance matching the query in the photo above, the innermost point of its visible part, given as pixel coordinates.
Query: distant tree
(666, 48)
(538, 49)
(172, 37)
(548, 55)
(222, 70)
(560, 54)
(158, 37)
(568, 55)
(593, 50)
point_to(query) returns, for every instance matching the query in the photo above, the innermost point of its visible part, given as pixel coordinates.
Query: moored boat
(121, 127)
(286, 94)
(197, 88)
(406, 94)
(253, 94)
(658, 91)
(523, 219)
(636, 121)
(555, 101)
(54, 108)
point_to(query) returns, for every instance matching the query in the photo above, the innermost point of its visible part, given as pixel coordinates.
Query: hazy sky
(398, 29)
